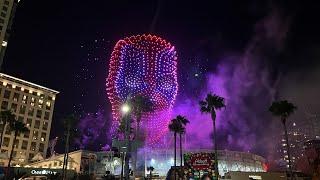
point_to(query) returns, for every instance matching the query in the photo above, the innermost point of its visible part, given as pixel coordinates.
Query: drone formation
(144, 65)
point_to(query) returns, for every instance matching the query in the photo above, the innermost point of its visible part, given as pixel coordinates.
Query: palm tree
(140, 105)
(69, 124)
(122, 129)
(175, 127)
(18, 127)
(284, 109)
(210, 105)
(150, 169)
(6, 117)
(183, 122)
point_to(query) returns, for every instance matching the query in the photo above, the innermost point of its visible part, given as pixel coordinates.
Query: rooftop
(27, 83)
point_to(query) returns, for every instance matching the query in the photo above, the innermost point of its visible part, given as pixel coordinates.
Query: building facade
(7, 11)
(163, 159)
(82, 162)
(32, 104)
(299, 133)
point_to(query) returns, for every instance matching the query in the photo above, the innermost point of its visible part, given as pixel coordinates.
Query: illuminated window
(15, 97)
(45, 126)
(4, 43)
(25, 99)
(35, 135)
(33, 146)
(43, 137)
(29, 122)
(48, 105)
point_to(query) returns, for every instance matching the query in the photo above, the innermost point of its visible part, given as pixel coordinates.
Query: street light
(125, 108)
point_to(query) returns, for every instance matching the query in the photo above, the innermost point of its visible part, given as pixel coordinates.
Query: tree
(18, 127)
(150, 169)
(140, 105)
(126, 130)
(183, 122)
(284, 109)
(6, 117)
(69, 131)
(210, 105)
(175, 127)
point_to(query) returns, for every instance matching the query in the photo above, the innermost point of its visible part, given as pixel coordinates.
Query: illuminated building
(297, 136)
(83, 162)
(32, 104)
(7, 11)
(162, 160)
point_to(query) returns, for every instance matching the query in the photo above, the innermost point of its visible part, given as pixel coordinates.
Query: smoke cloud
(244, 80)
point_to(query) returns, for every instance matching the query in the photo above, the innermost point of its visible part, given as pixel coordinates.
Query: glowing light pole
(125, 109)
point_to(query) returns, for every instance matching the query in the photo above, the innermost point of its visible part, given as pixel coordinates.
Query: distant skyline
(66, 46)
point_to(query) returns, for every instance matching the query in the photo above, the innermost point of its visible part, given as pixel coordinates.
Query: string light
(143, 65)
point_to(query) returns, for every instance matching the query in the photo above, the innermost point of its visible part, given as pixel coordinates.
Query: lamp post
(125, 109)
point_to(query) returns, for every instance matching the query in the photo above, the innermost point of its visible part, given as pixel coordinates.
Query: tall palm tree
(175, 127)
(122, 129)
(6, 117)
(140, 104)
(69, 130)
(284, 109)
(183, 122)
(210, 105)
(18, 127)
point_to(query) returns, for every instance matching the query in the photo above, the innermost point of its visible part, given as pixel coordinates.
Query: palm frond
(282, 108)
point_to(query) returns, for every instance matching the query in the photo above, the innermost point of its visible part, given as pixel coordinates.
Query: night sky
(66, 45)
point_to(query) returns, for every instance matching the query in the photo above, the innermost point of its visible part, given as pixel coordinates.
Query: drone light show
(144, 65)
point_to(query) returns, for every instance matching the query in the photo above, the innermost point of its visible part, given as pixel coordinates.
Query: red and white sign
(201, 161)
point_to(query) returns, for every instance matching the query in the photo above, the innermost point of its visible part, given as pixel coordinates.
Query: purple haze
(93, 131)
(243, 79)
